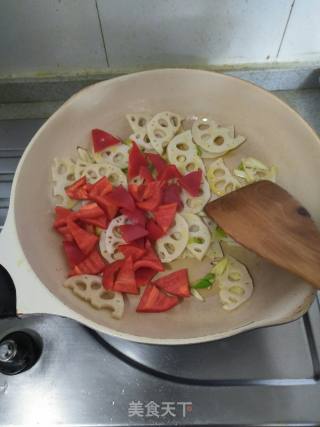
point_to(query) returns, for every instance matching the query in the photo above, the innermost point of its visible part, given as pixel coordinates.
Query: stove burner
(19, 351)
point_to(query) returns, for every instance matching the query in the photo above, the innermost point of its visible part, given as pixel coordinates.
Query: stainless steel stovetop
(269, 376)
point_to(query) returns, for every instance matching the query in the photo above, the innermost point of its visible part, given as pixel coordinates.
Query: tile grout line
(285, 28)
(102, 35)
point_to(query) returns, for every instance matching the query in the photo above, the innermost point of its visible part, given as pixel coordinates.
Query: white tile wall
(38, 36)
(165, 32)
(49, 35)
(302, 38)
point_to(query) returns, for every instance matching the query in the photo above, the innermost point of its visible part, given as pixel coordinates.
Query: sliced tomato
(154, 300)
(102, 139)
(154, 230)
(144, 275)
(121, 198)
(145, 174)
(92, 264)
(100, 188)
(191, 182)
(78, 190)
(131, 232)
(90, 210)
(85, 241)
(176, 283)
(137, 191)
(73, 253)
(152, 196)
(171, 194)
(109, 274)
(150, 260)
(169, 173)
(132, 250)
(136, 160)
(164, 215)
(157, 161)
(137, 216)
(62, 215)
(125, 281)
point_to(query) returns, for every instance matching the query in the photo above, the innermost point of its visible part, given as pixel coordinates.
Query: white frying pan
(31, 251)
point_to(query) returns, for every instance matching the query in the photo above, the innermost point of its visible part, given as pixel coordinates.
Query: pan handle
(32, 296)
(20, 350)
(20, 290)
(8, 297)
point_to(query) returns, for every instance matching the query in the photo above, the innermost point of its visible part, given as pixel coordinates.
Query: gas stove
(269, 376)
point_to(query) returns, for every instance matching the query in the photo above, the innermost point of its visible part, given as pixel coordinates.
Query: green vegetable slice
(220, 267)
(220, 233)
(197, 295)
(205, 282)
(198, 240)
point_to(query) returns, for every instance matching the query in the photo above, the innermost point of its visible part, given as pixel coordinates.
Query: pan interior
(274, 134)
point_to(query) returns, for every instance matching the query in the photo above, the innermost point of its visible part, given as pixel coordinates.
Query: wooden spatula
(266, 219)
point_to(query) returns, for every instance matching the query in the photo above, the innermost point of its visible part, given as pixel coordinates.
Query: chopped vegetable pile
(126, 209)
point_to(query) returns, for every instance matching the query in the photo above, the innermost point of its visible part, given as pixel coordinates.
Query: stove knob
(19, 351)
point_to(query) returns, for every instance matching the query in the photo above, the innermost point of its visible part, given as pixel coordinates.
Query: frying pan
(31, 251)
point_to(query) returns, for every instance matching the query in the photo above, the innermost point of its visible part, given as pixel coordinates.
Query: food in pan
(128, 209)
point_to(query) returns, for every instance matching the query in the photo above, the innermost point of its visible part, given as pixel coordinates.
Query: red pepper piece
(73, 253)
(101, 140)
(78, 190)
(155, 301)
(137, 191)
(100, 188)
(109, 274)
(61, 216)
(191, 182)
(85, 241)
(92, 214)
(125, 281)
(100, 221)
(93, 264)
(176, 283)
(154, 230)
(121, 198)
(150, 260)
(165, 215)
(145, 174)
(88, 227)
(157, 161)
(64, 231)
(90, 210)
(152, 196)
(139, 243)
(109, 210)
(131, 232)
(132, 250)
(136, 160)
(170, 172)
(144, 275)
(137, 216)
(171, 194)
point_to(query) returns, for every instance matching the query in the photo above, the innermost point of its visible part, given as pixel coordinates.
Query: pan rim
(172, 341)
